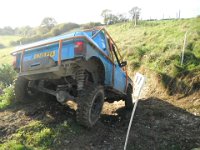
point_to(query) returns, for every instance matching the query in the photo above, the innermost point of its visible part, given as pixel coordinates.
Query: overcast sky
(31, 12)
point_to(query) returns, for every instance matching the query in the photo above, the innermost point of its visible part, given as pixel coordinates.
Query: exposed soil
(157, 125)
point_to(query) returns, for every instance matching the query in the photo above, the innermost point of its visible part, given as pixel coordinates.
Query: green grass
(5, 57)
(38, 135)
(157, 44)
(6, 39)
(7, 97)
(34, 135)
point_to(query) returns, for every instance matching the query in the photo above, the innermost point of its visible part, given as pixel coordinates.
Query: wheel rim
(96, 107)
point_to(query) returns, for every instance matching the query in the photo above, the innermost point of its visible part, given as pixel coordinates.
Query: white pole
(130, 123)
(183, 50)
(138, 82)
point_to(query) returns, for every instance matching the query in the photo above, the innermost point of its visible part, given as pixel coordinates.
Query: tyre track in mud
(157, 125)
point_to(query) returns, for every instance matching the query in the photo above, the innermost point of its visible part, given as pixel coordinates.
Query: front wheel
(90, 104)
(128, 99)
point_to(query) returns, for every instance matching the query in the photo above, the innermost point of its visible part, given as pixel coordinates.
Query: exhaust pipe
(63, 96)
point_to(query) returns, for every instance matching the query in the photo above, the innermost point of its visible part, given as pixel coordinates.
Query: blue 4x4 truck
(84, 66)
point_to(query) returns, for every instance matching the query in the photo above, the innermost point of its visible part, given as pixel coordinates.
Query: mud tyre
(90, 104)
(21, 90)
(128, 99)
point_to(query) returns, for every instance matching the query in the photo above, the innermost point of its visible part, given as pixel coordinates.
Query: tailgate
(51, 51)
(46, 56)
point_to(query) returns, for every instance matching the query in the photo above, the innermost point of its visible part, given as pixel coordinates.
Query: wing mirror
(123, 63)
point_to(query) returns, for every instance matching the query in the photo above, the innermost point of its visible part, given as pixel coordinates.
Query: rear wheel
(22, 91)
(90, 104)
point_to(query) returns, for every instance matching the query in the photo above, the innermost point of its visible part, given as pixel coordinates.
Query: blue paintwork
(107, 64)
(120, 78)
(68, 53)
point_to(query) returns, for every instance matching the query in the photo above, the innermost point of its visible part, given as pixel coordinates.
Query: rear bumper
(47, 73)
(68, 68)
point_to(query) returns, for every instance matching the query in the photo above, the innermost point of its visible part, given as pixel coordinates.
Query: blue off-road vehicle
(84, 66)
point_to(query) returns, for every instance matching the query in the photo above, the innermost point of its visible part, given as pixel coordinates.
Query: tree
(6, 31)
(135, 14)
(106, 15)
(55, 31)
(112, 19)
(48, 23)
(122, 18)
(91, 25)
(25, 31)
(65, 27)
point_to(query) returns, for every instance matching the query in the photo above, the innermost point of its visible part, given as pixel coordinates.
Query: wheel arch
(97, 68)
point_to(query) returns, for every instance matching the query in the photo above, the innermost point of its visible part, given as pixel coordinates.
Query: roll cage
(113, 48)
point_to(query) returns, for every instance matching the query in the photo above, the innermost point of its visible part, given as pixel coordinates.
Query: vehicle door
(120, 76)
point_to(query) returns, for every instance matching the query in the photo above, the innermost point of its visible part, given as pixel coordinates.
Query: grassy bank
(5, 57)
(158, 44)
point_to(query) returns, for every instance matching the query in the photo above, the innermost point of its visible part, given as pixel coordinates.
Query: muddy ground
(157, 125)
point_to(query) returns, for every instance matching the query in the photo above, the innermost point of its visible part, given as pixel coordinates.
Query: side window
(103, 42)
